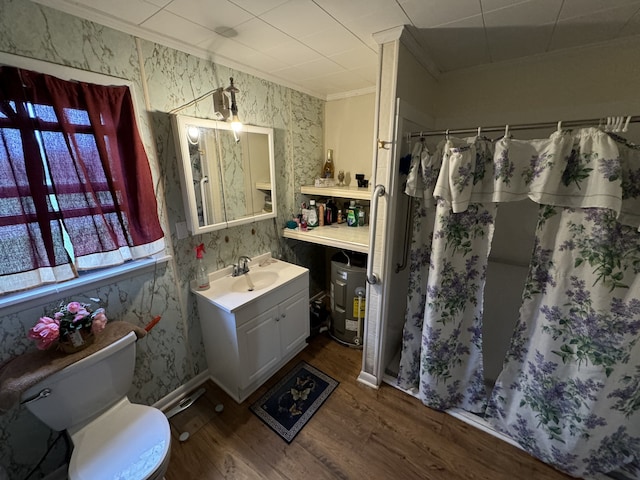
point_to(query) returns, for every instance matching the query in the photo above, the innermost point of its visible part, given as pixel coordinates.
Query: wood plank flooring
(359, 433)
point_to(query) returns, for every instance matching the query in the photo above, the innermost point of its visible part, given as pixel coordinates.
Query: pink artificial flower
(45, 332)
(99, 321)
(74, 307)
(58, 315)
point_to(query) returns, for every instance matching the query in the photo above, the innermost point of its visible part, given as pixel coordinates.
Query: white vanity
(254, 323)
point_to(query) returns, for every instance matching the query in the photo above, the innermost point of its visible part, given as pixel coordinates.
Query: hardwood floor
(359, 433)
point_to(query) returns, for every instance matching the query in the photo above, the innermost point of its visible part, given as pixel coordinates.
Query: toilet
(112, 437)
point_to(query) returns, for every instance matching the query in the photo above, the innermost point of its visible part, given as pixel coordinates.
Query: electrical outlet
(181, 230)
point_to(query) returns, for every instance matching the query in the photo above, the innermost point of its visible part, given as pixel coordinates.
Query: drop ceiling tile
(320, 67)
(431, 13)
(632, 27)
(596, 27)
(346, 80)
(348, 10)
(332, 40)
(369, 73)
(457, 45)
(513, 42)
(160, 3)
(527, 14)
(227, 47)
(258, 35)
(299, 18)
(258, 7)
(293, 53)
(490, 5)
(580, 8)
(217, 16)
(262, 62)
(360, 56)
(370, 22)
(173, 26)
(130, 11)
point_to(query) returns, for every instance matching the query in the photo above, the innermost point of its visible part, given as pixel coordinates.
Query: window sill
(48, 293)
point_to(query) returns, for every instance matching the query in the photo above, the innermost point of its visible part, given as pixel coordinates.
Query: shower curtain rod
(522, 126)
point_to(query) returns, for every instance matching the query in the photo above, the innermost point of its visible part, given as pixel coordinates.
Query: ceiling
(326, 47)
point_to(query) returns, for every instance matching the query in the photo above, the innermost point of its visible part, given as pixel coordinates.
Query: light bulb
(236, 124)
(193, 135)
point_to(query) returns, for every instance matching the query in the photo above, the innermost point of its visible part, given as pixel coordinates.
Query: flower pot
(76, 341)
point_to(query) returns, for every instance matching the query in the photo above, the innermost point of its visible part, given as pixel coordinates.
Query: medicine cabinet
(227, 177)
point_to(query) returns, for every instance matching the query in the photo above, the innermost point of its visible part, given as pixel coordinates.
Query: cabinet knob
(284, 315)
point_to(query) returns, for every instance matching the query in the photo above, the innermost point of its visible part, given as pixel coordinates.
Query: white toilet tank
(86, 388)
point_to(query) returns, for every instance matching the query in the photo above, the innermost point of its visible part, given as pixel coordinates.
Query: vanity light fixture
(236, 124)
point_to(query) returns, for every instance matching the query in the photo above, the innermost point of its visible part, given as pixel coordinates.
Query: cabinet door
(258, 346)
(294, 321)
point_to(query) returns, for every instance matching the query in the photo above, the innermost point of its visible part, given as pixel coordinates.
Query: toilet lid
(128, 442)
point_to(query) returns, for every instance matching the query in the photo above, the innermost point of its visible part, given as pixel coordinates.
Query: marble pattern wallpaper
(163, 80)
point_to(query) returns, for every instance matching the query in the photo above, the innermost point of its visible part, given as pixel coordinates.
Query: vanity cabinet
(245, 346)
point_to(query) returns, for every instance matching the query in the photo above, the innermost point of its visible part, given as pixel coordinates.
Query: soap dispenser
(202, 276)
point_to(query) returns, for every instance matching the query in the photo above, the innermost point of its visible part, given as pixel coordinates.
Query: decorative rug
(291, 403)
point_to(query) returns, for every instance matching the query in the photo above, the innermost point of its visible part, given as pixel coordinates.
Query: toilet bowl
(112, 437)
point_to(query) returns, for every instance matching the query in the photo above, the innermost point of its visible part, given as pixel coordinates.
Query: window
(76, 191)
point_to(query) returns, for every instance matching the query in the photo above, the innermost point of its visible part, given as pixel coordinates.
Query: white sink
(254, 280)
(265, 274)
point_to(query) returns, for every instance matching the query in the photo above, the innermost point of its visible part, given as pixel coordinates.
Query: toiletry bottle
(327, 169)
(321, 208)
(329, 215)
(312, 214)
(339, 218)
(360, 216)
(352, 214)
(202, 276)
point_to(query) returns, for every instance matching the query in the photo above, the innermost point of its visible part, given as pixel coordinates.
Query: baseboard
(368, 380)
(182, 390)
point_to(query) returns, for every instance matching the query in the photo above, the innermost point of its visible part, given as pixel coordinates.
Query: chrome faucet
(242, 266)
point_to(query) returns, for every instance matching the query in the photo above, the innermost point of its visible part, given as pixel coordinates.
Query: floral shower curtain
(569, 389)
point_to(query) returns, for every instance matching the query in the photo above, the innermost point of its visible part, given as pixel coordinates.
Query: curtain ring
(479, 131)
(626, 124)
(506, 130)
(446, 134)
(560, 126)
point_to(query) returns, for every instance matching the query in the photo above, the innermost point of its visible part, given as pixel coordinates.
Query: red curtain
(71, 153)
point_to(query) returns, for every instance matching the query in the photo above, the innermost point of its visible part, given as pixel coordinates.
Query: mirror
(227, 178)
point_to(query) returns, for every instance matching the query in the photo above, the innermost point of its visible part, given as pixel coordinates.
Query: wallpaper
(172, 353)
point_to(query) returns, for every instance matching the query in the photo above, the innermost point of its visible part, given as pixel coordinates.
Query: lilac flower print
(432, 397)
(614, 451)
(609, 247)
(586, 335)
(476, 392)
(461, 229)
(576, 170)
(563, 460)
(560, 404)
(504, 168)
(628, 394)
(449, 297)
(518, 348)
(442, 353)
(630, 183)
(540, 268)
(537, 165)
(464, 177)
(496, 405)
(484, 157)
(610, 168)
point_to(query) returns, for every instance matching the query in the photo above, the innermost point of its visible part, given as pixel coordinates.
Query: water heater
(348, 281)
